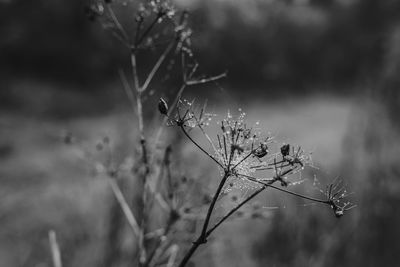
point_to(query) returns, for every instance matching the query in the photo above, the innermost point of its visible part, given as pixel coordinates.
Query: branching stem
(199, 147)
(202, 239)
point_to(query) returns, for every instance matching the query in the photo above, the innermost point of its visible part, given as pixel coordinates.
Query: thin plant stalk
(55, 249)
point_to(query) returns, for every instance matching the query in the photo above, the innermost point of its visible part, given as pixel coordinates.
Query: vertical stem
(203, 235)
(189, 254)
(211, 208)
(142, 254)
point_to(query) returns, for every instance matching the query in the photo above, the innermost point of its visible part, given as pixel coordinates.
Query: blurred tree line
(293, 45)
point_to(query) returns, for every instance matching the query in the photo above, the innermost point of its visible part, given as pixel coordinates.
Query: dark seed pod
(262, 151)
(285, 150)
(339, 213)
(284, 183)
(163, 106)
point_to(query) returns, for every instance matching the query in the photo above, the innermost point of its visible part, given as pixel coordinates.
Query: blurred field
(321, 74)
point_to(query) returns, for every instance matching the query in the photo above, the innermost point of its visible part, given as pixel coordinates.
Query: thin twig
(147, 31)
(299, 195)
(258, 191)
(268, 184)
(203, 235)
(211, 208)
(157, 66)
(127, 88)
(202, 149)
(153, 256)
(55, 249)
(174, 252)
(117, 23)
(124, 206)
(207, 80)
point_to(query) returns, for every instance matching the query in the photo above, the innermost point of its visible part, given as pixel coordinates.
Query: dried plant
(248, 161)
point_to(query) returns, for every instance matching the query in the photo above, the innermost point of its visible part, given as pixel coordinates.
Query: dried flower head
(241, 150)
(337, 197)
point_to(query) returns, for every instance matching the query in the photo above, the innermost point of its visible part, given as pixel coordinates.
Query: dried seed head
(262, 151)
(285, 150)
(163, 106)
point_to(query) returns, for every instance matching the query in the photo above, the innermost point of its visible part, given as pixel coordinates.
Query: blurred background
(320, 73)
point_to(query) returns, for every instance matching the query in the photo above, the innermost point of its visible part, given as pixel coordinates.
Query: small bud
(262, 151)
(339, 213)
(163, 106)
(285, 150)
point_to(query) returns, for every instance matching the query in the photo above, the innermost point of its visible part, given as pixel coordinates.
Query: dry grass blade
(172, 257)
(124, 206)
(55, 250)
